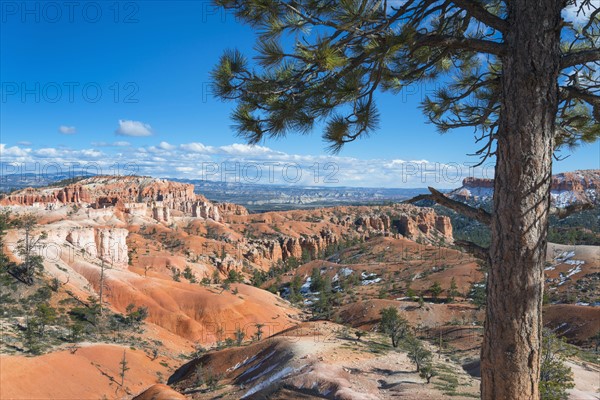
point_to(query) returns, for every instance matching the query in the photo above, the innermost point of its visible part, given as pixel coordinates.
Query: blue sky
(110, 85)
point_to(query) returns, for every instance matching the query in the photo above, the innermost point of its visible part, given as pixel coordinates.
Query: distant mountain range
(567, 188)
(258, 197)
(255, 197)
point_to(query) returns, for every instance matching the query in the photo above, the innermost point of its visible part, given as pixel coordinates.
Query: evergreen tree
(316, 281)
(239, 336)
(453, 291)
(393, 324)
(6, 223)
(435, 290)
(124, 368)
(555, 376)
(417, 353)
(295, 286)
(32, 262)
(514, 71)
(259, 331)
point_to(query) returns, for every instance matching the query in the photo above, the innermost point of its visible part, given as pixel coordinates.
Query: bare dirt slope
(92, 372)
(317, 360)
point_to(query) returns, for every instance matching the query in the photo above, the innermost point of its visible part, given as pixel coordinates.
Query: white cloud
(246, 149)
(67, 130)
(184, 169)
(120, 143)
(47, 152)
(133, 128)
(14, 151)
(242, 163)
(197, 148)
(166, 146)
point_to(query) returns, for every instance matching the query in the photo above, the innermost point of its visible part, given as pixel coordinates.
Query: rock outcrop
(139, 196)
(206, 210)
(112, 245)
(578, 187)
(343, 223)
(300, 234)
(104, 243)
(425, 223)
(232, 209)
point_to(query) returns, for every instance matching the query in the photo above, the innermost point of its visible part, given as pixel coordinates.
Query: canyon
(204, 271)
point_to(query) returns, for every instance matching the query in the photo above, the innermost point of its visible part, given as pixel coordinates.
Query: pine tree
(556, 377)
(124, 368)
(101, 288)
(435, 290)
(393, 325)
(239, 336)
(259, 331)
(514, 71)
(453, 291)
(417, 353)
(26, 248)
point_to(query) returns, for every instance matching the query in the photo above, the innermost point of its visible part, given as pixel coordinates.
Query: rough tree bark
(512, 336)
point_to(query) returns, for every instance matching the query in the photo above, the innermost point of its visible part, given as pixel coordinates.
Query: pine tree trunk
(510, 355)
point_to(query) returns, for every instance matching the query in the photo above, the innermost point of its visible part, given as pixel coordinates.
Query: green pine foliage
(555, 376)
(325, 62)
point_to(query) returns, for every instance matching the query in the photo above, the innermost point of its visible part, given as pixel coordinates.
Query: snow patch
(369, 279)
(276, 376)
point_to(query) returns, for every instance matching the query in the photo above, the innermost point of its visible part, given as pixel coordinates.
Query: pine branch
(569, 92)
(562, 213)
(481, 14)
(460, 43)
(475, 249)
(579, 57)
(478, 214)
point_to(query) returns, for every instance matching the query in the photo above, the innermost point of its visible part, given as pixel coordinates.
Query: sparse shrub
(212, 381)
(216, 277)
(134, 317)
(176, 274)
(427, 372)
(233, 276)
(258, 277)
(239, 336)
(189, 275)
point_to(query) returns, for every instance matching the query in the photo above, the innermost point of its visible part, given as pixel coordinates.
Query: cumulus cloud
(67, 130)
(14, 151)
(248, 164)
(246, 149)
(197, 148)
(119, 143)
(133, 128)
(166, 146)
